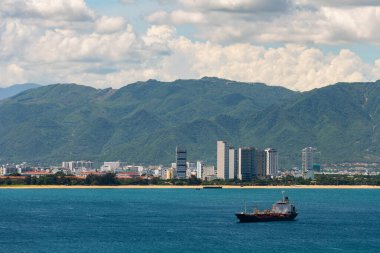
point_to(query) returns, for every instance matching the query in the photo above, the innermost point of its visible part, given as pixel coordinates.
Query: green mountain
(14, 89)
(144, 121)
(341, 120)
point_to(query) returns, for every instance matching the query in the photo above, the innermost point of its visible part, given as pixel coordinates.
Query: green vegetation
(43, 180)
(107, 179)
(15, 89)
(143, 122)
(111, 179)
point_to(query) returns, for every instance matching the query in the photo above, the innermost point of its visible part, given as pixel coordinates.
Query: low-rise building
(209, 173)
(37, 173)
(84, 174)
(78, 166)
(128, 175)
(8, 170)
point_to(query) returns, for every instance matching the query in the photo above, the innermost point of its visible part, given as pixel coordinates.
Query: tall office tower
(222, 152)
(233, 163)
(271, 162)
(308, 159)
(260, 163)
(181, 163)
(246, 171)
(199, 169)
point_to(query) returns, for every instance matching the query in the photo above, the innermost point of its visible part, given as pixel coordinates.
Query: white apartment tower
(271, 162)
(222, 165)
(308, 159)
(232, 163)
(199, 169)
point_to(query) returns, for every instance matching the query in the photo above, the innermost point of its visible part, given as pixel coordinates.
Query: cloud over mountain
(276, 42)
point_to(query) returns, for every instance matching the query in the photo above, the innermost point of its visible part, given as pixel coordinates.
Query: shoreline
(189, 187)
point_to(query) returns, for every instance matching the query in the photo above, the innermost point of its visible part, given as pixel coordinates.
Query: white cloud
(88, 48)
(159, 35)
(282, 21)
(127, 1)
(176, 17)
(70, 10)
(66, 45)
(239, 5)
(183, 17)
(12, 73)
(294, 66)
(109, 24)
(158, 17)
(340, 3)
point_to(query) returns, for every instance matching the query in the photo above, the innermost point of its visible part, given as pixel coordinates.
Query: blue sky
(298, 44)
(135, 14)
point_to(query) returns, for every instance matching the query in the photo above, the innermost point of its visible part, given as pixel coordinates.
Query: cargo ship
(282, 210)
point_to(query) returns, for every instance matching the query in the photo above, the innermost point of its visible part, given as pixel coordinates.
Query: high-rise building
(246, 169)
(222, 160)
(245, 163)
(260, 163)
(199, 169)
(271, 162)
(181, 162)
(232, 163)
(309, 165)
(308, 159)
(191, 169)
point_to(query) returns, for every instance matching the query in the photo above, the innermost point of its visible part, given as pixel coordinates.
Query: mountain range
(15, 89)
(143, 122)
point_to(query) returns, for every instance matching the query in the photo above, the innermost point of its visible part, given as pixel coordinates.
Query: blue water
(185, 220)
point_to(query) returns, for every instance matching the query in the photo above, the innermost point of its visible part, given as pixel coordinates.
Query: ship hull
(246, 217)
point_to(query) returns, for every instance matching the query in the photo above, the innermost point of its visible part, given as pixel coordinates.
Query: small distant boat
(212, 187)
(282, 210)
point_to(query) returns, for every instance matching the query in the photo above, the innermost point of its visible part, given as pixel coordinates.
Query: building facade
(74, 166)
(222, 160)
(181, 159)
(307, 159)
(245, 163)
(199, 169)
(271, 162)
(208, 173)
(259, 163)
(246, 169)
(233, 163)
(112, 166)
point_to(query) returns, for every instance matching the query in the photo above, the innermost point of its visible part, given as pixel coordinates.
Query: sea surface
(185, 220)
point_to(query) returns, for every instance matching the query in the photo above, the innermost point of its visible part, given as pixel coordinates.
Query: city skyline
(245, 163)
(163, 125)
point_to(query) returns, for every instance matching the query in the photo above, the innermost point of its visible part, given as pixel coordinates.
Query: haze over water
(185, 220)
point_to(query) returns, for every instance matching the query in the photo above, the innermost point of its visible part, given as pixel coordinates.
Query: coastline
(188, 187)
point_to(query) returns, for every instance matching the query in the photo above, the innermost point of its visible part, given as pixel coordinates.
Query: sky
(298, 44)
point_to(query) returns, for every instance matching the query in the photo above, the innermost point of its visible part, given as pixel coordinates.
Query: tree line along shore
(110, 179)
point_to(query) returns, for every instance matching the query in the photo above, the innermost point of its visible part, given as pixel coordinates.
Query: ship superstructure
(282, 210)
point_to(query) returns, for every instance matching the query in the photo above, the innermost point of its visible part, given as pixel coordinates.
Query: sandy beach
(189, 187)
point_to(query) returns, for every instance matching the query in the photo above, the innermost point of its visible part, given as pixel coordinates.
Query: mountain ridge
(15, 89)
(144, 121)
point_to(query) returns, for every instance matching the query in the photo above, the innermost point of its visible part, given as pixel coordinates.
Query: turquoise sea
(185, 220)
